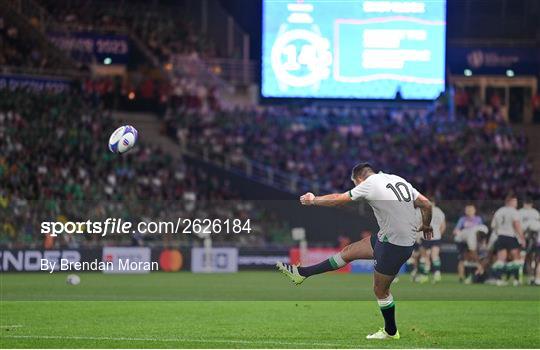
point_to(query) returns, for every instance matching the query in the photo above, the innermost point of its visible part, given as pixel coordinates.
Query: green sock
(498, 269)
(516, 269)
(436, 265)
(423, 267)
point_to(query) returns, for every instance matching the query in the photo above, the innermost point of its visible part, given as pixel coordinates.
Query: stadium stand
(316, 144)
(162, 27)
(53, 152)
(19, 49)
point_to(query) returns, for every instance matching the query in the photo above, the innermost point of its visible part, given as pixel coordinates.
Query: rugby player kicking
(393, 200)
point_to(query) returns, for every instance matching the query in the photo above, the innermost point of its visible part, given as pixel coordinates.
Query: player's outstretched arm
(329, 200)
(426, 208)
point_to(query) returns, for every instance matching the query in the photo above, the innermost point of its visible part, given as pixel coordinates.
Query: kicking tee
(392, 199)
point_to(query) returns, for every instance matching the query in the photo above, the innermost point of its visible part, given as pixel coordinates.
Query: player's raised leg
(357, 250)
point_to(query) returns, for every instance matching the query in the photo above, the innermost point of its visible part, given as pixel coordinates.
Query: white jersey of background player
(437, 221)
(530, 217)
(503, 221)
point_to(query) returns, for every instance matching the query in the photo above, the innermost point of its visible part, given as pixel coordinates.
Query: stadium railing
(234, 71)
(194, 67)
(257, 171)
(44, 72)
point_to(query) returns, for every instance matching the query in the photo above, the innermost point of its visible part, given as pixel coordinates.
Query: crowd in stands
(452, 157)
(19, 50)
(55, 165)
(133, 92)
(163, 28)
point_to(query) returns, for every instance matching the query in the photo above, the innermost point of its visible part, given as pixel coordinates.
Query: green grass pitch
(257, 310)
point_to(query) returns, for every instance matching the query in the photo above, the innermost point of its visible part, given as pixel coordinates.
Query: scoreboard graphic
(366, 49)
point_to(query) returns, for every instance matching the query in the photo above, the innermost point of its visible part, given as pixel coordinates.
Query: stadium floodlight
(467, 72)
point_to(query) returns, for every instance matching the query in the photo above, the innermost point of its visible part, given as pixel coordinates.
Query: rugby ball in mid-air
(123, 139)
(73, 280)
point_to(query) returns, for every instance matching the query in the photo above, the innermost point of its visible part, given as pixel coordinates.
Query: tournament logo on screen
(300, 55)
(368, 49)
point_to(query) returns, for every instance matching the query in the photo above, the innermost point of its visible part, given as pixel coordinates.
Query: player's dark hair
(527, 200)
(360, 170)
(510, 196)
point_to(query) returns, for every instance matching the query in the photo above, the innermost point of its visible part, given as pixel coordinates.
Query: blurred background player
(413, 263)
(536, 280)
(430, 260)
(506, 224)
(470, 239)
(530, 224)
(486, 256)
(470, 219)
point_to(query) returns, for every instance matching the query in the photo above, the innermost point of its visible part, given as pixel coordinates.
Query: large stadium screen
(366, 49)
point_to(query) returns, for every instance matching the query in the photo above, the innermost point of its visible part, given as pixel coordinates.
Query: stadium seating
(18, 49)
(54, 164)
(452, 158)
(162, 28)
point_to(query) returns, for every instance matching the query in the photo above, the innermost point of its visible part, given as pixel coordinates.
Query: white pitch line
(186, 340)
(12, 326)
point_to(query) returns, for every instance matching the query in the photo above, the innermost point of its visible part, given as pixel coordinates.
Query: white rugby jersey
(503, 221)
(437, 220)
(529, 217)
(391, 198)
